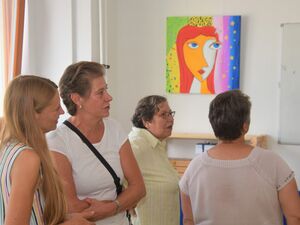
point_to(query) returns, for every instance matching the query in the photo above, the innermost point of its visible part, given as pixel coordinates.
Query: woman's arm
(186, 209)
(290, 202)
(24, 177)
(131, 195)
(64, 169)
(135, 190)
(79, 219)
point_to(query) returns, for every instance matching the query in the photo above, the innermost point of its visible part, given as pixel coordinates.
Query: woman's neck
(238, 141)
(92, 128)
(231, 149)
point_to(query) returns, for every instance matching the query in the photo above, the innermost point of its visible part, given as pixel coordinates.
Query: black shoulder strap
(98, 155)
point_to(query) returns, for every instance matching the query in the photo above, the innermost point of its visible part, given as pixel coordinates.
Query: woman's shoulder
(197, 161)
(59, 133)
(14, 148)
(112, 123)
(136, 133)
(272, 167)
(270, 161)
(29, 156)
(114, 132)
(139, 135)
(264, 156)
(60, 138)
(17, 153)
(142, 133)
(199, 158)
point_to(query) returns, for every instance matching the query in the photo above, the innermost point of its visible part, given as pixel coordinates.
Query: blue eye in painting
(215, 45)
(193, 45)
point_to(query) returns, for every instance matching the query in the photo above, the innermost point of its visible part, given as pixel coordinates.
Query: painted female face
(200, 54)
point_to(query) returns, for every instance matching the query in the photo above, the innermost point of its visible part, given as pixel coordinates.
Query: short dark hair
(227, 114)
(146, 108)
(77, 79)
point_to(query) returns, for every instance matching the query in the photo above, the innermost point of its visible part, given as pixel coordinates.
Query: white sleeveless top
(91, 178)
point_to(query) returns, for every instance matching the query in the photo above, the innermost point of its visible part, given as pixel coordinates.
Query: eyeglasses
(106, 66)
(166, 115)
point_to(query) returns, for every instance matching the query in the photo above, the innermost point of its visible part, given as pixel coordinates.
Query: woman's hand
(79, 218)
(77, 205)
(102, 209)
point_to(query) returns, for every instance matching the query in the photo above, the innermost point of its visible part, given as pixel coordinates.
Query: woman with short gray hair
(153, 122)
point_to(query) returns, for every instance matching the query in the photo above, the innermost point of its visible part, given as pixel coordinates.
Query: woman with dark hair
(88, 179)
(234, 183)
(153, 122)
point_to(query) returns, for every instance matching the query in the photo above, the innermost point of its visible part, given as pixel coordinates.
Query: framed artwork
(203, 54)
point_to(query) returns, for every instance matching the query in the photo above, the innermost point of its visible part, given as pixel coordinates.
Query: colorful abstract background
(227, 64)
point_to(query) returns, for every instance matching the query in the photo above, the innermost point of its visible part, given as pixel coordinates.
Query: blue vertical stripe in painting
(234, 37)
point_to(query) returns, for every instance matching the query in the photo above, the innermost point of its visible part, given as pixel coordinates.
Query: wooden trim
(181, 164)
(254, 140)
(7, 5)
(20, 11)
(12, 51)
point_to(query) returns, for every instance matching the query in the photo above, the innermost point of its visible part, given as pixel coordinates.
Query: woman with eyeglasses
(153, 122)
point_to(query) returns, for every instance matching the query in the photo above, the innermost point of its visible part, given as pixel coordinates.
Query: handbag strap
(97, 154)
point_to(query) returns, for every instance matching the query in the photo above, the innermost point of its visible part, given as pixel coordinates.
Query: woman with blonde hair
(30, 191)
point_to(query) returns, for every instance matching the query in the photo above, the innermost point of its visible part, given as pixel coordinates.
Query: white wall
(135, 34)
(48, 40)
(137, 43)
(58, 33)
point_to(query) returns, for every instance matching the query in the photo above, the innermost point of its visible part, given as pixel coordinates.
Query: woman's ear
(76, 98)
(145, 123)
(246, 127)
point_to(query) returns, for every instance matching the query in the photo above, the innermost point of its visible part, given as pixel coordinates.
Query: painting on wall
(203, 54)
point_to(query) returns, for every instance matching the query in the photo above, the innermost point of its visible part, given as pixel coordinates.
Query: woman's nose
(108, 97)
(61, 111)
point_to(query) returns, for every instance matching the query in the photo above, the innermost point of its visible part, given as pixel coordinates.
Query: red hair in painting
(186, 76)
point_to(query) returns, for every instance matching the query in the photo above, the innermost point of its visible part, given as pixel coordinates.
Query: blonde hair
(24, 97)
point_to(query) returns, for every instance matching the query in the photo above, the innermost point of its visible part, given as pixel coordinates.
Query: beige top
(236, 192)
(161, 204)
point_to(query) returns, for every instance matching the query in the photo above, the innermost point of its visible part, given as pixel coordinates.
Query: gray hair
(145, 110)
